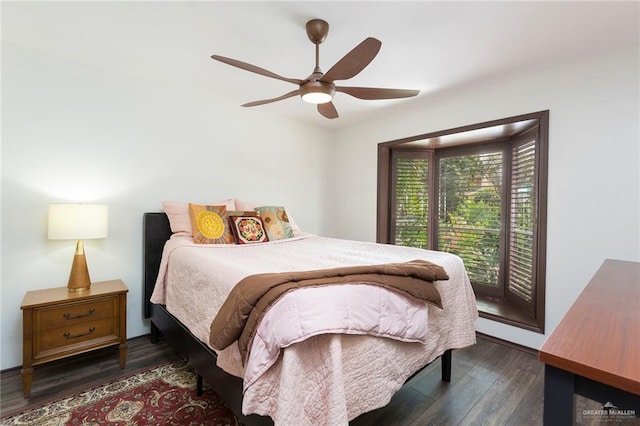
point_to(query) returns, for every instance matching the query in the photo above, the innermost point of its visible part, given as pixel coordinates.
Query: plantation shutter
(470, 212)
(521, 277)
(410, 198)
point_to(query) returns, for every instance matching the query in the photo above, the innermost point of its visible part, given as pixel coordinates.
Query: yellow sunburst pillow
(210, 224)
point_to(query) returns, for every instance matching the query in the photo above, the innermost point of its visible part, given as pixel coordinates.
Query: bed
(293, 371)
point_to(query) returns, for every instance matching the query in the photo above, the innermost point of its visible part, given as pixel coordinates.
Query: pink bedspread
(346, 309)
(319, 363)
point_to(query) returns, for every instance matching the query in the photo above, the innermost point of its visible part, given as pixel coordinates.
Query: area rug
(164, 395)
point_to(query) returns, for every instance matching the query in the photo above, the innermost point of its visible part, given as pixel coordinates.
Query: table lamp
(78, 222)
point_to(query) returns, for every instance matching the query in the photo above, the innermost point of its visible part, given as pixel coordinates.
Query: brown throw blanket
(251, 297)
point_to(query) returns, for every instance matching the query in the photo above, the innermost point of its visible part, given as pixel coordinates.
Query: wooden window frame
(502, 308)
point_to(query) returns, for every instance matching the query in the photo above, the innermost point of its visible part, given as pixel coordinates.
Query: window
(478, 192)
(411, 197)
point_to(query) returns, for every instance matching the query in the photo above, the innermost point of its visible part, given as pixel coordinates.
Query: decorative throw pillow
(276, 222)
(179, 218)
(248, 229)
(251, 205)
(210, 224)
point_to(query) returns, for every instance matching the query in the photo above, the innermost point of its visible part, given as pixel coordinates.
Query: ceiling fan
(320, 87)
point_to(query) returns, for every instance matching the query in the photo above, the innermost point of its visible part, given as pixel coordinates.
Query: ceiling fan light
(317, 92)
(317, 97)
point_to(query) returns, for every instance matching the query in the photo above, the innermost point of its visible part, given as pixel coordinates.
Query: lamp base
(79, 280)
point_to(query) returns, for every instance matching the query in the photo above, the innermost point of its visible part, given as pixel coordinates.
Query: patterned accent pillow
(276, 222)
(251, 205)
(179, 218)
(248, 229)
(210, 224)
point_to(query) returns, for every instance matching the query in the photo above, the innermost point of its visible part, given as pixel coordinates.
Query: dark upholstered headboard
(156, 232)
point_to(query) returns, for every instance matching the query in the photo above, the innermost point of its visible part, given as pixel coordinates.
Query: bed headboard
(156, 231)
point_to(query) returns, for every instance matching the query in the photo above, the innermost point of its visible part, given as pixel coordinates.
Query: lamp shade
(78, 221)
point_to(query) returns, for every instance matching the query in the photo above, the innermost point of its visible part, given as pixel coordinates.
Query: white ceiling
(431, 46)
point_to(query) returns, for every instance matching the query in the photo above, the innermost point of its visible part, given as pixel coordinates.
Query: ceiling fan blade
(268, 101)
(328, 110)
(354, 61)
(371, 93)
(252, 68)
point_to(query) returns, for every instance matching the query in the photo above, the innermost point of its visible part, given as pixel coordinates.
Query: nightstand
(58, 324)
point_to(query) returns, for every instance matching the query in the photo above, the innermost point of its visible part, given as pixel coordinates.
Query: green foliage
(412, 202)
(469, 214)
(472, 231)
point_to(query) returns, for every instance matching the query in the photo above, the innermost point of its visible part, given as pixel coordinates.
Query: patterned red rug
(165, 395)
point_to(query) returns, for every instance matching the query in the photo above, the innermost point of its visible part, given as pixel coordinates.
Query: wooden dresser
(58, 324)
(595, 349)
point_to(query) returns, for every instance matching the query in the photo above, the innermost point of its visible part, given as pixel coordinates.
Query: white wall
(71, 132)
(594, 158)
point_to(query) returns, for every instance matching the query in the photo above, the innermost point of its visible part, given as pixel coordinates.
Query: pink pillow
(178, 214)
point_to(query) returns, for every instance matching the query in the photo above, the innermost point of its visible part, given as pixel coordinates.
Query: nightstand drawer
(75, 314)
(76, 337)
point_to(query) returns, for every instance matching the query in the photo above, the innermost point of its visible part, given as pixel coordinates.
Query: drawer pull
(68, 335)
(68, 316)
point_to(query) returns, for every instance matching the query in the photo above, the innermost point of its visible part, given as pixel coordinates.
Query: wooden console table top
(599, 338)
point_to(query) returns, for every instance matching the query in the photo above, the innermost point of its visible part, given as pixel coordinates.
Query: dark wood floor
(491, 384)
